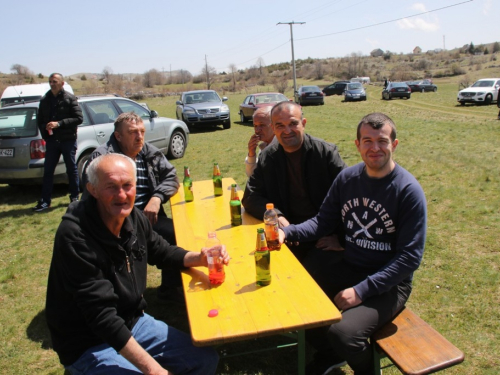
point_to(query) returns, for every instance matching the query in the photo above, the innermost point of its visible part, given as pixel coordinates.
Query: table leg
(301, 346)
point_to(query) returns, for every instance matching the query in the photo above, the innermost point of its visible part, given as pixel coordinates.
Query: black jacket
(162, 176)
(321, 163)
(93, 296)
(67, 113)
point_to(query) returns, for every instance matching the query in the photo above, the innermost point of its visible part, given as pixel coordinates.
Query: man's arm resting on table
(141, 359)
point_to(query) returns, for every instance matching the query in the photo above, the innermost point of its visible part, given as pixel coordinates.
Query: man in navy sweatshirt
(382, 209)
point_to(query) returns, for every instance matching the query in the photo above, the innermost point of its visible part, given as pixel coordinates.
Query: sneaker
(41, 205)
(71, 200)
(171, 295)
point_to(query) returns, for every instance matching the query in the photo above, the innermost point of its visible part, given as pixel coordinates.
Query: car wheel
(227, 123)
(462, 103)
(242, 117)
(322, 103)
(488, 99)
(423, 90)
(435, 89)
(82, 163)
(177, 145)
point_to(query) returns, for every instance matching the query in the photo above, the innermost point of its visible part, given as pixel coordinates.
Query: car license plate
(209, 115)
(312, 94)
(401, 90)
(6, 152)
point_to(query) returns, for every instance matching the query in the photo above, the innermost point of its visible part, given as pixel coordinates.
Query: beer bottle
(272, 225)
(217, 178)
(216, 273)
(262, 259)
(188, 186)
(235, 206)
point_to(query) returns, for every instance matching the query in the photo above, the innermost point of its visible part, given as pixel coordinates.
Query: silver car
(203, 107)
(22, 150)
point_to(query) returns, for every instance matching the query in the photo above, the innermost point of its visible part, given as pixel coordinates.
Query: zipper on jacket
(128, 264)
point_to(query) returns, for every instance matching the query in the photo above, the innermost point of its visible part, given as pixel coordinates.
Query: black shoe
(41, 205)
(171, 295)
(324, 363)
(71, 200)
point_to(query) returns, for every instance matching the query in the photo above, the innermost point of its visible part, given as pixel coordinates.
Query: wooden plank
(415, 347)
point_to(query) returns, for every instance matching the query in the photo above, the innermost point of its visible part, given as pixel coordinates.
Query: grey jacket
(162, 176)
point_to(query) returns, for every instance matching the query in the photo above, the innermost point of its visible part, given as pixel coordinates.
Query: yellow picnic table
(292, 302)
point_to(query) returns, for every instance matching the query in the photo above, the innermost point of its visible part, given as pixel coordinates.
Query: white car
(483, 91)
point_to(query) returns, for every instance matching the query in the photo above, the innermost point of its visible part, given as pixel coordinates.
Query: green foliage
(83, 77)
(496, 47)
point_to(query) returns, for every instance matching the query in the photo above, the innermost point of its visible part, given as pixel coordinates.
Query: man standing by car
(58, 118)
(263, 135)
(156, 182)
(295, 174)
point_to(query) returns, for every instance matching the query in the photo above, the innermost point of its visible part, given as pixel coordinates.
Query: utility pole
(293, 55)
(206, 71)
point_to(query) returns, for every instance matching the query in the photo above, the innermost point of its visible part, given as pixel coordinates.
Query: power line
(384, 22)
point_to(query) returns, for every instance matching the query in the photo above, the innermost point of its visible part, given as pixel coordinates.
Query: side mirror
(178, 102)
(154, 114)
(224, 98)
(250, 103)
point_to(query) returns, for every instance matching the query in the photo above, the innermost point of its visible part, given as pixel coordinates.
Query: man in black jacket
(156, 182)
(294, 172)
(97, 279)
(58, 118)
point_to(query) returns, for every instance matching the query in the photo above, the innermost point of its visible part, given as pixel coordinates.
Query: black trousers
(349, 339)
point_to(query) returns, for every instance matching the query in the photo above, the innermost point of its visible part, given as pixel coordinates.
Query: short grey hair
(264, 111)
(94, 166)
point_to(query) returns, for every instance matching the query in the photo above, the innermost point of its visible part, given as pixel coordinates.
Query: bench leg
(376, 360)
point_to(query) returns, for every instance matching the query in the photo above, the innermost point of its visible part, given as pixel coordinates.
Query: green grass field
(453, 151)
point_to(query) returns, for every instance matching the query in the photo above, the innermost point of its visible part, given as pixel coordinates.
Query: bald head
(262, 124)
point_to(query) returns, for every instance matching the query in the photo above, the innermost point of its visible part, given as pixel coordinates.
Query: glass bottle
(188, 186)
(235, 206)
(216, 273)
(272, 225)
(217, 178)
(262, 260)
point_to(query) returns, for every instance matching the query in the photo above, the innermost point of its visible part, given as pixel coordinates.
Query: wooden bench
(413, 346)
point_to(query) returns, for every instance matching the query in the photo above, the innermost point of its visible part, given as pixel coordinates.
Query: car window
(127, 106)
(18, 122)
(354, 86)
(247, 100)
(102, 111)
(252, 99)
(483, 84)
(86, 120)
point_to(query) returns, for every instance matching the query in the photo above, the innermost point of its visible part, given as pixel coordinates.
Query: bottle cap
(213, 313)
(269, 206)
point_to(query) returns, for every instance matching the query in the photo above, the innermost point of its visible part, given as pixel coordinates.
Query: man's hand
(51, 125)
(347, 298)
(329, 243)
(252, 144)
(195, 259)
(283, 222)
(151, 210)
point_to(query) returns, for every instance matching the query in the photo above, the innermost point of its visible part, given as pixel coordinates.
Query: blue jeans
(54, 150)
(171, 348)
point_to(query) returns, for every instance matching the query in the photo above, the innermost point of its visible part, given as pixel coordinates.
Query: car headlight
(188, 110)
(481, 93)
(224, 108)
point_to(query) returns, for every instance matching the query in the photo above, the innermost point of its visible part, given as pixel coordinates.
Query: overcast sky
(134, 36)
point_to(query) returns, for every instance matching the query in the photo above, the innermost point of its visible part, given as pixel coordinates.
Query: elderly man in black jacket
(58, 118)
(156, 182)
(97, 279)
(294, 172)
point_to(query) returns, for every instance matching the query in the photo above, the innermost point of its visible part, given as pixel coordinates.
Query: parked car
(483, 91)
(22, 150)
(203, 107)
(254, 101)
(396, 90)
(422, 86)
(354, 91)
(336, 88)
(309, 95)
